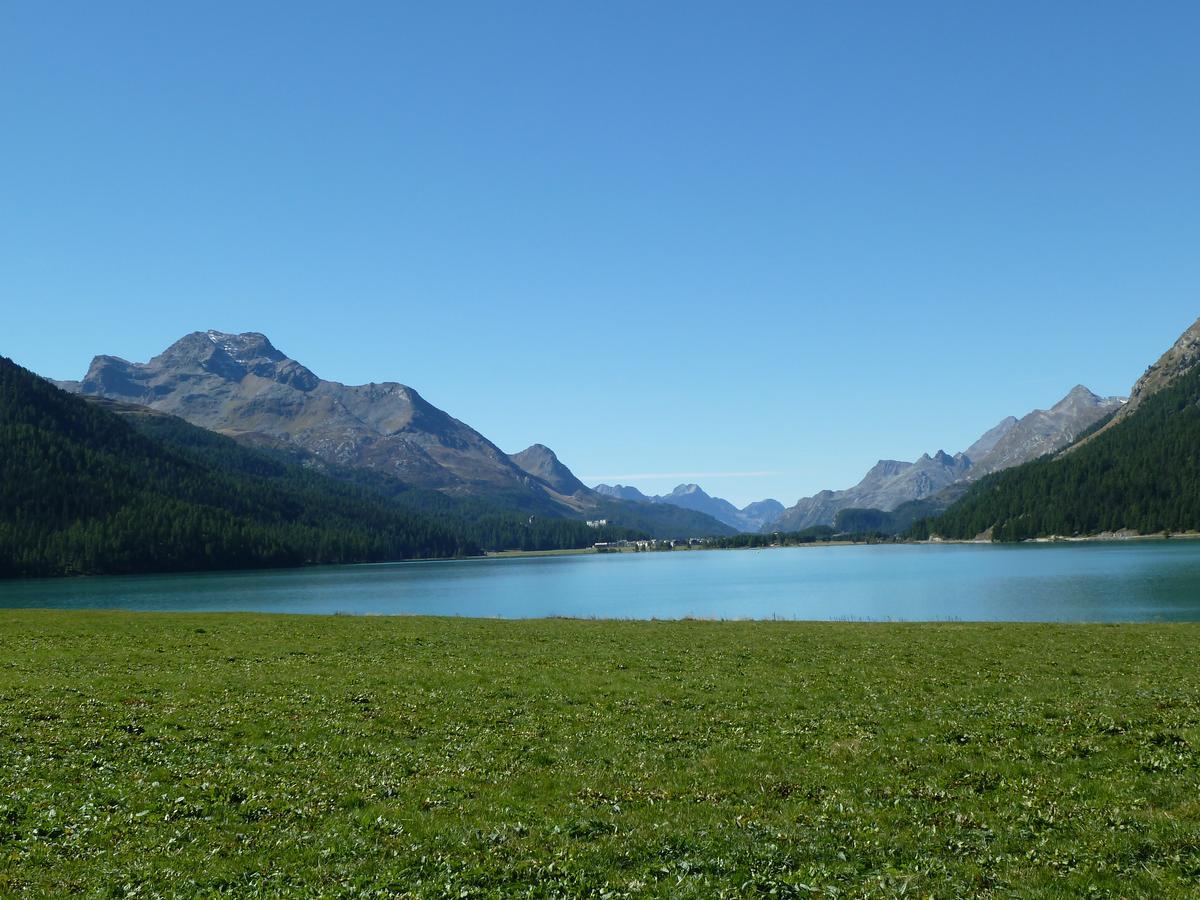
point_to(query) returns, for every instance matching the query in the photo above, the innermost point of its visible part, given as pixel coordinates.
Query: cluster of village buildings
(651, 544)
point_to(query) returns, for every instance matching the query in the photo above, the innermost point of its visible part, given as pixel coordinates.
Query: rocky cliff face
(1011, 442)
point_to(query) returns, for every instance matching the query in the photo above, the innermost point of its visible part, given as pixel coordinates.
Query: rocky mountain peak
(538, 453)
(242, 385)
(1046, 430)
(622, 492)
(542, 463)
(230, 357)
(764, 510)
(752, 517)
(1079, 396)
(250, 345)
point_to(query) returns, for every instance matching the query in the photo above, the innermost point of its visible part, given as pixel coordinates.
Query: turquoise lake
(1097, 582)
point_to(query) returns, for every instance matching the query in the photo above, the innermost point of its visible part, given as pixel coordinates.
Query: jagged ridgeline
(84, 490)
(242, 386)
(1141, 472)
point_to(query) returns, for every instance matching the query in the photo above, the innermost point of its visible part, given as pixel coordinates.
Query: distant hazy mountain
(888, 484)
(762, 512)
(942, 478)
(623, 492)
(691, 496)
(240, 385)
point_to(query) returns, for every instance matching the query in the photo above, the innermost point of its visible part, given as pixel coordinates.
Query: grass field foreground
(247, 755)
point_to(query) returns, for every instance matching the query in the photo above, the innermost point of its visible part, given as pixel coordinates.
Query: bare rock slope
(889, 483)
(1046, 430)
(241, 385)
(541, 462)
(1011, 442)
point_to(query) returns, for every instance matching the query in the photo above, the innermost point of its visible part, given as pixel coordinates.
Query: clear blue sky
(663, 239)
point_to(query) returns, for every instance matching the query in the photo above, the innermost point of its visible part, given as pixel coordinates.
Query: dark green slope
(81, 491)
(854, 520)
(498, 521)
(90, 487)
(479, 522)
(1142, 473)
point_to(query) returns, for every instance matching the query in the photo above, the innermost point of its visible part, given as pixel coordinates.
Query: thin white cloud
(644, 476)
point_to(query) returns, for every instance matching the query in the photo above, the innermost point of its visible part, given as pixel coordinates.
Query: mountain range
(891, 483)
(751, 517)
(1138, 472)
(242, 386)
(288, 469)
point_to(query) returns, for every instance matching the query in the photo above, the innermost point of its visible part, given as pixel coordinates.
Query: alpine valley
(222, 452)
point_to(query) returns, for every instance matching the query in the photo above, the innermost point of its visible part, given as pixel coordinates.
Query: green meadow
(193, 755)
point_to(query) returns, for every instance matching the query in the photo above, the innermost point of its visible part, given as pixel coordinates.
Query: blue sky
(757, 246)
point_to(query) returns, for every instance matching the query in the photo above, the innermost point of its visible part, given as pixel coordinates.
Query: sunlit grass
(184, 755)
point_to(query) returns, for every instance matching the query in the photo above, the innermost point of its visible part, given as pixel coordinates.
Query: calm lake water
(1065, 583)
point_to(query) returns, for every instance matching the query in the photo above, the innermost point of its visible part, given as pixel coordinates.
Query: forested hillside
(1141, 473)
(84, 491)
(476, 521)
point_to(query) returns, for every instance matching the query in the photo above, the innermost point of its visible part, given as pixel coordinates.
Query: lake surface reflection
(1098, 582)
